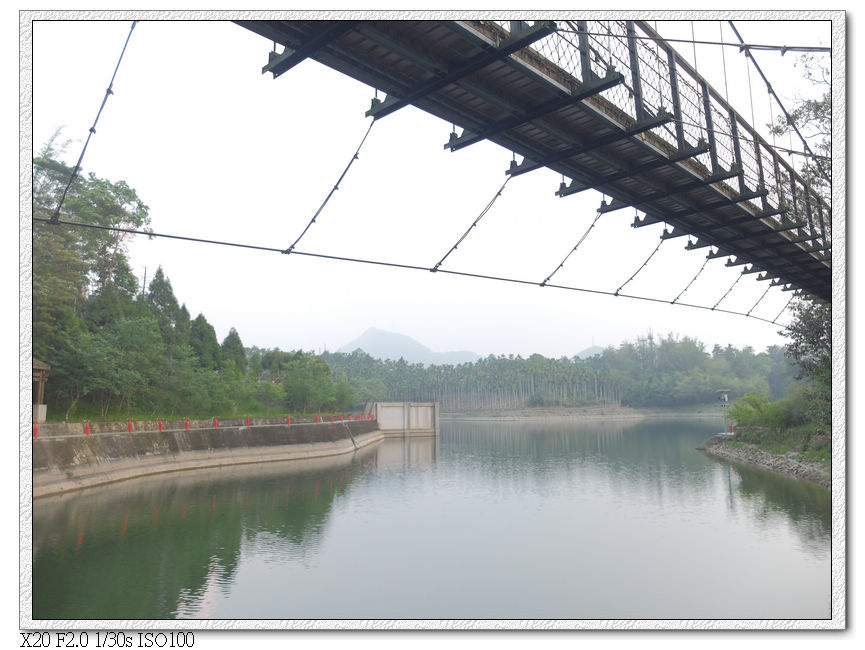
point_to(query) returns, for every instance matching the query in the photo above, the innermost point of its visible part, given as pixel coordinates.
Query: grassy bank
(810, 442)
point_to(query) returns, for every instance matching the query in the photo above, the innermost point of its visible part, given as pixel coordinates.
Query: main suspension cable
(356, 155)
(474, 223)
(108, 91)
(412, 267)
(573, 250)
(783, 49)
(778, 99)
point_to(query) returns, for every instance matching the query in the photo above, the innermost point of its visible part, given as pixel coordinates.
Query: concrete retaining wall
(77, 428)
(69, 462)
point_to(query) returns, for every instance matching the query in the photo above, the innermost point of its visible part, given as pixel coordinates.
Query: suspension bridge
(608, 105)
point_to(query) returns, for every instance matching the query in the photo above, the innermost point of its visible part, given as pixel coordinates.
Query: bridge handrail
(736, 142)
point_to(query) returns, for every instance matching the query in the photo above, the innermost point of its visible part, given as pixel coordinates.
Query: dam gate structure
(407, 418)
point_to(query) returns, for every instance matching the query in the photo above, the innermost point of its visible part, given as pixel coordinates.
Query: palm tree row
(491, 383)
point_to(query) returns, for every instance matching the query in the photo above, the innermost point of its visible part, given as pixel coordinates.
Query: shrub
(756, 410)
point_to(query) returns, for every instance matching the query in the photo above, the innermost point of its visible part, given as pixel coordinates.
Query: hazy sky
(219, 151)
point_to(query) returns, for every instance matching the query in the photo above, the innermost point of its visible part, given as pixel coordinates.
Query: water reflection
(547, 519)
(614, 455)
(767, 497)
(412, 452)
(153, 547)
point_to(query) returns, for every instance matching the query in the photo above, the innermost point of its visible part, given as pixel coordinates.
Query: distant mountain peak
(590, 352)
(381, 344)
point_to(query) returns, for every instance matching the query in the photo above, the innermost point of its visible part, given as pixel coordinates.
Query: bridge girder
(480, 76)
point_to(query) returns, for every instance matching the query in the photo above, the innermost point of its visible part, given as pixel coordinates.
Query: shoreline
(575, 413)
(788, 464)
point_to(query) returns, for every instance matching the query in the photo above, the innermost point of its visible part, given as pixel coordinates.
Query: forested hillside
(672, 371)
(663, 372)
(117, 349)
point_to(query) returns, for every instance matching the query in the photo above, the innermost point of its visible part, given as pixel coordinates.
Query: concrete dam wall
(65, 459)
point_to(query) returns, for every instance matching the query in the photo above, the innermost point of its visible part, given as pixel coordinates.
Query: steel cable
(694, 279)
(753, 46)
(474, 223)
(356, 155)
(573, 250)
(641, 267)
(728, 291)
(790, 121)
(92, 130)
(758, 301)
(782, 311)
(412, 267)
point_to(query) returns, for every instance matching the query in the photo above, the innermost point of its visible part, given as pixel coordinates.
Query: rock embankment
(789, 464)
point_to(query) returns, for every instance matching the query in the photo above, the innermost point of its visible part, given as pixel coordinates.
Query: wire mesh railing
(665, 81)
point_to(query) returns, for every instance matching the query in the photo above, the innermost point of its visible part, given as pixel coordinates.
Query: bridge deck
(656, 136)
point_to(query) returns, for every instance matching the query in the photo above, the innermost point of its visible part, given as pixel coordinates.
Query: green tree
(58, 292)
(810, 347)
(232, 350)
(94, 201)
(182, 326)
(72, 265)
(343, 394)
(107, 305)
(183, 386)
(164, 305)
(781, 372)
(132, 363)
(811, 339)
(268, 393)
(255, 366)
(81, 369)
(307, 382)
(205, 345)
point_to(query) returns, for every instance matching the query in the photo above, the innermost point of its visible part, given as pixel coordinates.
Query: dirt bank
(789, 464)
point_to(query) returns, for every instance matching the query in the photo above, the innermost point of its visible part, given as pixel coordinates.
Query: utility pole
(724, 399)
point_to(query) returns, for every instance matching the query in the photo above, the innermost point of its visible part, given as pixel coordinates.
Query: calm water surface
(554, 519)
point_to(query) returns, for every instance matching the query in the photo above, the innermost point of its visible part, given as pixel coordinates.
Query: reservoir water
(552, 519)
